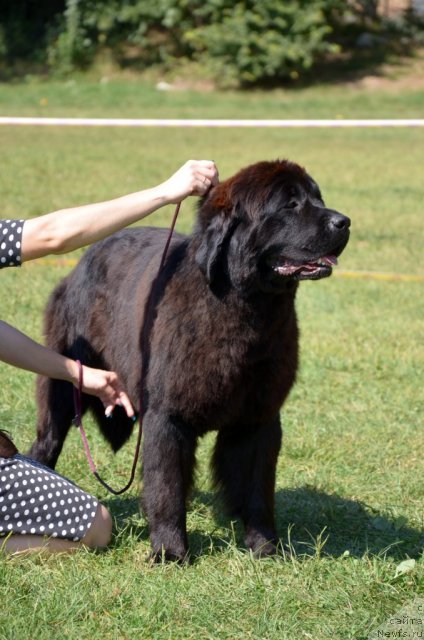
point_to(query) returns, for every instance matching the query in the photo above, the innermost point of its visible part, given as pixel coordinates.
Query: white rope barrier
(156, 122)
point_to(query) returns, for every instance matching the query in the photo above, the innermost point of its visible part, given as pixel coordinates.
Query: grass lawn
(349, 488)
(395, 91)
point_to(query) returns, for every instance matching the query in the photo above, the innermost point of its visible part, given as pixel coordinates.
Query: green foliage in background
(234, 42)
(247, 40)
(264, 40)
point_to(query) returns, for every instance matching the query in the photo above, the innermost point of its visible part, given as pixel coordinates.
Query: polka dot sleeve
(10, 243)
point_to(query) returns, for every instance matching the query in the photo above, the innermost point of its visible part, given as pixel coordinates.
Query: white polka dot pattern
(10, 243)
(36, 500)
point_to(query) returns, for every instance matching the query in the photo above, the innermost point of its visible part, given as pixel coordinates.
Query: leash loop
(78, 394)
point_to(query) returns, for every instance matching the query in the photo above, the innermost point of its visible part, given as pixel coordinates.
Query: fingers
(206, 175)
(194, 178)
(125, 402)
(202, 185)
(207, 168)
(107, 387)
(109, 410)
(118, 398)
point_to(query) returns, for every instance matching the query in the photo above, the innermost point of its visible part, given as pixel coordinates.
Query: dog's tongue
(330, 260)
(288, 267)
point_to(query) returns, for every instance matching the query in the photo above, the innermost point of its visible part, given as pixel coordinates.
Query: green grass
(349, 487)
(115, 97)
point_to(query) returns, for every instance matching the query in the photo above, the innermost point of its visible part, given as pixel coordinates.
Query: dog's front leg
(244, 465)
(168, 462)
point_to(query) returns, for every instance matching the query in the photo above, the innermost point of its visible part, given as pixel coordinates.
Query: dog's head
(266, 226)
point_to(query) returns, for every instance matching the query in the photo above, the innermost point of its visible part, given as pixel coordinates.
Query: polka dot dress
(35, 500)
(10, 243)
(38, 501)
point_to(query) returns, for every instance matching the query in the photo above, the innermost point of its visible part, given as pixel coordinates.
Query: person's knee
(99, 534)
(105, 528)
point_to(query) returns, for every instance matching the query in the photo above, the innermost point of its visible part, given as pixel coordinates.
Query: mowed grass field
(350, 478)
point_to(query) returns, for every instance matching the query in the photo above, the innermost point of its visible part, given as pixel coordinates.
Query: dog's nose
(337, 221)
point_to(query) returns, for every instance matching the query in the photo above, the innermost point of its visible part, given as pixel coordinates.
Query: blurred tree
(241, 42)
(369, 8)
(26, 24)
(237, 41)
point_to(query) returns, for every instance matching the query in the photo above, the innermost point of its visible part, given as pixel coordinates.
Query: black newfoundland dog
(219, 348)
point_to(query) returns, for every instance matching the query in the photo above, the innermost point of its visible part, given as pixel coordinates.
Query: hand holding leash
(194, 178)
(106, 386)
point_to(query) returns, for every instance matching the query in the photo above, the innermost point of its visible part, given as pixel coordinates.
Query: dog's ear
(210, 256)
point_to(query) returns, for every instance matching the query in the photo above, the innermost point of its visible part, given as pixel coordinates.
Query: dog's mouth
(304, 270)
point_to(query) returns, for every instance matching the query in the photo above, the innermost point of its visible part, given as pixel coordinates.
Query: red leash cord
(78, 394)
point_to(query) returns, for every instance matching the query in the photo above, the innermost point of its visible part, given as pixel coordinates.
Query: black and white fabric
(10, 242)
(35, 500)
(38, 501)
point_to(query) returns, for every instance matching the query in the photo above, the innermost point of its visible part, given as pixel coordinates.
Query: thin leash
(78, 392)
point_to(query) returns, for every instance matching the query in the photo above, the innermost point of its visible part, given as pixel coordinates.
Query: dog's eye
(292, 204)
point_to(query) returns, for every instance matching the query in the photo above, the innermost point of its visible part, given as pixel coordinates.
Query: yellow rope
(375, 275)
(349, 275)
(54, 262)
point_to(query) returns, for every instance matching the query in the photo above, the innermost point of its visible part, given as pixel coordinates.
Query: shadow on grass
(347, 525)
(129, 522)
(335, 525)
(317, 521)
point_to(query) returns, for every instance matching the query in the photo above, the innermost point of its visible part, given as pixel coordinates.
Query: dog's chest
(216, 364)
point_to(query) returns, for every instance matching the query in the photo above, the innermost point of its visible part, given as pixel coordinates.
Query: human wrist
(161, 194)
(72, 371)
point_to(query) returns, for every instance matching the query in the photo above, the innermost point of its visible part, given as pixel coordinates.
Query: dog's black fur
(219, 348)
(7, 447)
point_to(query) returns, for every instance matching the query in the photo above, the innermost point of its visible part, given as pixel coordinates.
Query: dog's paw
(162, 555)
(263, 547)
(265, 550)
(271, 550)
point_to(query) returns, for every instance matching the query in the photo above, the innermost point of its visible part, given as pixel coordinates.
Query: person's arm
(69, 229)
(20, 351)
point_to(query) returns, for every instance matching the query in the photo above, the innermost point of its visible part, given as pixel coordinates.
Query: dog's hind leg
(55, 414)
(168, 463)
(244, 465)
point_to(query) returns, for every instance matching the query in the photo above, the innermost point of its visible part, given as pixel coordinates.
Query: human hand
(106, 386)
(194, 178)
